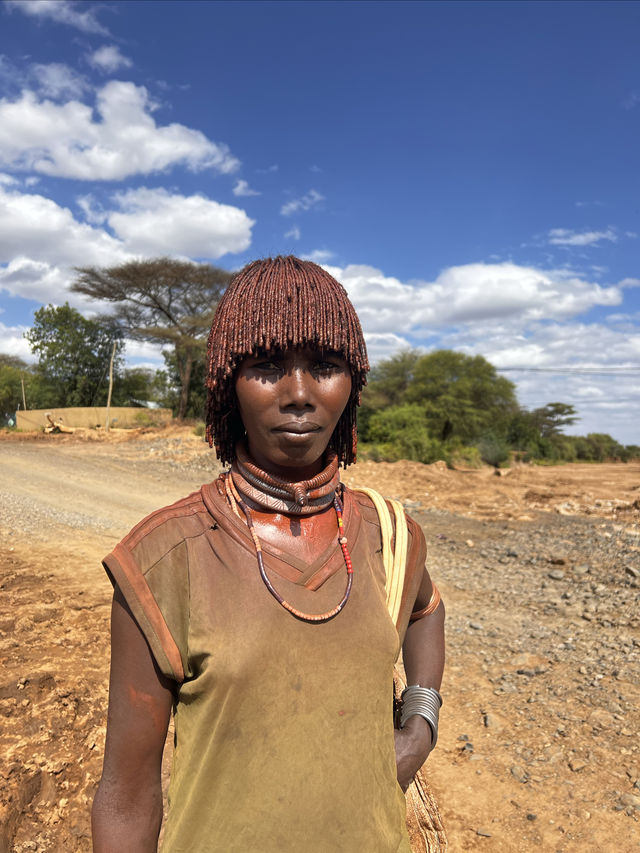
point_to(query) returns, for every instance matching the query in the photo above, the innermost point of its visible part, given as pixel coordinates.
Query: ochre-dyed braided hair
(271, 305)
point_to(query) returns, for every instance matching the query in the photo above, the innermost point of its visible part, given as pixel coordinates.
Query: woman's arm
(127, 809)
(423, 657)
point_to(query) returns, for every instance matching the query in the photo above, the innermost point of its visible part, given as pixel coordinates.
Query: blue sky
(469, 171)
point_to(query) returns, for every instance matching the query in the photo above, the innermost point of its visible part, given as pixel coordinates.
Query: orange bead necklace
(314, 618)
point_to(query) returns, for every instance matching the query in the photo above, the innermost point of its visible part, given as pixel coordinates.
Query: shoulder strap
(394, 561)
(424, 823)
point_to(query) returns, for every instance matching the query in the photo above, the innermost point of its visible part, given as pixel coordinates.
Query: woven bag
(424, 821)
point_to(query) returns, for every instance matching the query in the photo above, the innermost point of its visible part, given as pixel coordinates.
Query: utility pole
(24, 402)
(113, 355)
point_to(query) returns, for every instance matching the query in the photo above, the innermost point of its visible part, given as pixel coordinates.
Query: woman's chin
(298, 450)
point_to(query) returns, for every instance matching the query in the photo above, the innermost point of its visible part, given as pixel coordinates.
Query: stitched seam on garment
(147, 525)
(237, 535)
(150, 608)
(172, 548)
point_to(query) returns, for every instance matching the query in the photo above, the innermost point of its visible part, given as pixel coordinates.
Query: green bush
(467, 457)
(400, 432)
(564, 447)
(394, 452)
(148, 418)
(378, 452)
(493, 451)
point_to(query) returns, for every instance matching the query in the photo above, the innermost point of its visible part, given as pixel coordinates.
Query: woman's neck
(299, 496)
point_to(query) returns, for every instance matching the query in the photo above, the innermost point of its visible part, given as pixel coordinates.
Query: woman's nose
(297, 389)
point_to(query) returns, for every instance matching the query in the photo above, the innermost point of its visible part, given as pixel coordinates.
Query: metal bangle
(424, 702)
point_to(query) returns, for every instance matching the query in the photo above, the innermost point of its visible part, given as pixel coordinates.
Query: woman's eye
(325, 366)
(267, 365)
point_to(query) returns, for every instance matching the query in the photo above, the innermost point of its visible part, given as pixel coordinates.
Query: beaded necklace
(314, 618)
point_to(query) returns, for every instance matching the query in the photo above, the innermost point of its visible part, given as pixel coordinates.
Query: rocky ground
(540, 571)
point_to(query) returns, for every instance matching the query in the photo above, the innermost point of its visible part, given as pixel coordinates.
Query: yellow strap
(394, 597)
(394, 562)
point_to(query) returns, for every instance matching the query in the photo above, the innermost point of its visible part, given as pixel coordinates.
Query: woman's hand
(413, 745)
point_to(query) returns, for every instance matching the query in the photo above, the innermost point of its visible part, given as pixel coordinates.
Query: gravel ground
(538, 746)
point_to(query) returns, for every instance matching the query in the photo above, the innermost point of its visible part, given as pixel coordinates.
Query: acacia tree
(161, 300)
(73, 355)
(550, 419)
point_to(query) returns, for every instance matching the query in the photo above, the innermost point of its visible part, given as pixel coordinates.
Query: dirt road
(540, 570)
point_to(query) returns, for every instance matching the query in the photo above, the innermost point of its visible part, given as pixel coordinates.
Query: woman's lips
(298, 428)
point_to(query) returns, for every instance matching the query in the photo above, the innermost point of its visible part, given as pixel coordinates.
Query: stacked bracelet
(424, 702)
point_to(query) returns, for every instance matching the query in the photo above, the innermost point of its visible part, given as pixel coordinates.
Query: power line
(583, 371)
(588, 400)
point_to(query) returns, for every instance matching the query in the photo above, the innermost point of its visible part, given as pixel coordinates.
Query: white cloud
(242, 188)
(108, 59)
(268, 170)
(12, 342)
(566, 237)
(61, 11)
(40, 241)
(138, 353)
(9, 74)
(93, 211)
(605, 402)
(51, 80)
(7, 180)
(143, 354)
(150, 220)
(57, 80)
(305, 202)
(64, 140)
(381, 346)
(505, 293)
(553, 345)
(516, 317)
(293, 233)
(319, 256)
(37, 280)
(589, 391)
(36, 229)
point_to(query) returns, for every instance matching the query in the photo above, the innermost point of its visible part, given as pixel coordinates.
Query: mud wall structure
(91, 417)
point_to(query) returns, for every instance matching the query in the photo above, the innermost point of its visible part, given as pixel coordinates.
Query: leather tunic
(283, 729)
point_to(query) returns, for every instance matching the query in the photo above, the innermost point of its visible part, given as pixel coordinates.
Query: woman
(254, 608)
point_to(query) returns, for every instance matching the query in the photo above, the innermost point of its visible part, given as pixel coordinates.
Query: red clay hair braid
(273, 304)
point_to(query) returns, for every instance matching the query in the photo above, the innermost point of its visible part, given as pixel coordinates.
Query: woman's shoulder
(364, 502)
(370, 503)
(164, 528)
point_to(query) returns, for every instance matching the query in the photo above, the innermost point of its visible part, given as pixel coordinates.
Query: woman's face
(290, 403)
